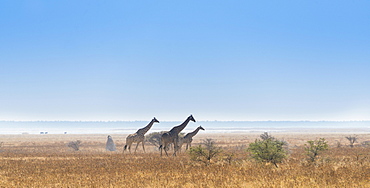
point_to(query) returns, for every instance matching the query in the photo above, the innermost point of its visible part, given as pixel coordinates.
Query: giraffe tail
(160, 147)
(125, 148)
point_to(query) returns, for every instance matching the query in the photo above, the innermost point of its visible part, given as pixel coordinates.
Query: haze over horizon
(218, 60)
(181, 120)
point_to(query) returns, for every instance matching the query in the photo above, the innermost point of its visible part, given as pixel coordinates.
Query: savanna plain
(46, 161)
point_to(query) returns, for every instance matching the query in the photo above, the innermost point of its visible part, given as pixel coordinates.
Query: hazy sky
(217, 60)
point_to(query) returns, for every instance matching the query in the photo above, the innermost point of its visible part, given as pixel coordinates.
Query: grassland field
(46, 161)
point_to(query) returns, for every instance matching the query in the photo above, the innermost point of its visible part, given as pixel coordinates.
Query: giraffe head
(155, 120)
(191, 118)
(201, 128)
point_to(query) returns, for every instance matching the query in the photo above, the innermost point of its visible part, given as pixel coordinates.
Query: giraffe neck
(191, 134)
(179, 128)
(146, 128)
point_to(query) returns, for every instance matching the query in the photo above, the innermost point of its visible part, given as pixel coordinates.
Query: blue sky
(217, 60)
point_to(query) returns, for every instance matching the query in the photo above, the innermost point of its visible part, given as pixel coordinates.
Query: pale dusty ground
(96, 142)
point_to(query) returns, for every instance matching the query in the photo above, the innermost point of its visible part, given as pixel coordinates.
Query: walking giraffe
(173, 136)
(138, 136)
(188, 138)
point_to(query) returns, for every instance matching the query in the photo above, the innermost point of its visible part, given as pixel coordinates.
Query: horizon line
(180, 121)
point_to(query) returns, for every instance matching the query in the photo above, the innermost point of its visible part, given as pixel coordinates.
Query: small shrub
(206, 153)
(314, 147)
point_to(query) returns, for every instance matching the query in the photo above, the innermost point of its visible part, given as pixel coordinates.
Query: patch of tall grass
(34, 167)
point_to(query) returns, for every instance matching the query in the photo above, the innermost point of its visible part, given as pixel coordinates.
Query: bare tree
(352, 140)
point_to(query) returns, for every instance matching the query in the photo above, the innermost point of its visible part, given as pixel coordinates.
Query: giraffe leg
(187, 146)
(143, 145)
(175, 148)
(165, 149)
(129, 147)
(136, 146)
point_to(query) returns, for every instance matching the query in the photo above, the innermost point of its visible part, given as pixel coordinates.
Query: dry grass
(52, 164)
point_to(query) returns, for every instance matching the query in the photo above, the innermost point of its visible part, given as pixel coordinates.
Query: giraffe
(188, 138)
(172, 136)
(138, 136)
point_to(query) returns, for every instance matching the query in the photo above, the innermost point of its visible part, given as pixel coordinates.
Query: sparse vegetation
(75, 145)
(366, 143)
(51, 164)
(206, 153)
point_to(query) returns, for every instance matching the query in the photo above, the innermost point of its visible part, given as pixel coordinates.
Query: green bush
(314, 147)
(269, 150)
